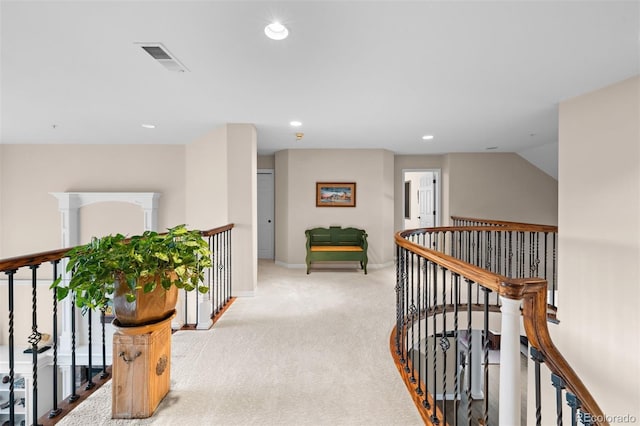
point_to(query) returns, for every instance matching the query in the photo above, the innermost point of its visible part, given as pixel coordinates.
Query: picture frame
(335, 194)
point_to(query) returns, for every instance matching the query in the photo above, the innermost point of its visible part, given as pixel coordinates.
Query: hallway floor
(305, 350)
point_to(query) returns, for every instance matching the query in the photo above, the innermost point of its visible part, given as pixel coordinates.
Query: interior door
(266, 203)
(426, 200)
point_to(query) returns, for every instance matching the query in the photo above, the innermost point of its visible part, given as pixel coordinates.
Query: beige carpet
(306, 350)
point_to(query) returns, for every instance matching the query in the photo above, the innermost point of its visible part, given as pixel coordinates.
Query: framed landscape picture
(335, 194)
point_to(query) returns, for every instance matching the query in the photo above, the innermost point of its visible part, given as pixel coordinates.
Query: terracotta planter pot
(148, 308)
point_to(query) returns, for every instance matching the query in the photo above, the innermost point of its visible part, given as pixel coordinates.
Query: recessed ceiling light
(149, 126)
(427, 137)
(295, 124)
(276, 31)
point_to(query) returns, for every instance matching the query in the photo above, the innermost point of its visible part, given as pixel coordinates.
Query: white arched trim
(70, 202)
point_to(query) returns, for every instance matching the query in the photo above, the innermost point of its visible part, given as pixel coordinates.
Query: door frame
(272, 173)
(437, 191)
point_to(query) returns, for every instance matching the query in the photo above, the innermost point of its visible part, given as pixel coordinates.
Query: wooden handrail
(217, 230)
(508, 287)
(531, 226)
(532, 292)
(13, 263)
(516, 227)
(534, 314)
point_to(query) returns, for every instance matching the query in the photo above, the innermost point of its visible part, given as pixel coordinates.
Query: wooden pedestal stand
(141, 368)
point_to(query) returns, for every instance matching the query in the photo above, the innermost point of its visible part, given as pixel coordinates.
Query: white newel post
(205, 308)
(69, 204)
(509, 411)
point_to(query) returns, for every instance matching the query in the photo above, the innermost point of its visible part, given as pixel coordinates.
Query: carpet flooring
(305, 350)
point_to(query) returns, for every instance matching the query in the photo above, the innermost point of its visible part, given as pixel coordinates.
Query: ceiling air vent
(163, 56)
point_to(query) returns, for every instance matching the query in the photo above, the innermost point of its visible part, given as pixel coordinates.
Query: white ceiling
(363, 74)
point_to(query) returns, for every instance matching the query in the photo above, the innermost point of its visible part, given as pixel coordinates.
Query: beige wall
(297, 172)
(282, 208)
(105, 218)
(599, 243)
(30, 215)
(206, 189)
(500, 186)
(266, 162)
(242, 202)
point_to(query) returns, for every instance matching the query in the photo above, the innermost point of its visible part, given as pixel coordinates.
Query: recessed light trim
(276, 31)
(149, 126)
(427, 137)
(295, 123)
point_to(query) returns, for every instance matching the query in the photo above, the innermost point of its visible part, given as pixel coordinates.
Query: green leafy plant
(179, 257)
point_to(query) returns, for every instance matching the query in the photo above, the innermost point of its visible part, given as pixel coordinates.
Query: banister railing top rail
(461, 220)
(515, 250)
(504, 286)
(16, 262)
(532, 291)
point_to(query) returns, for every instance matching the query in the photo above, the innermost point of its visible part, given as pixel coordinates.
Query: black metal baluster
(510, 255)
(412, 319)
(90, 384)
(419, 299)
(575, 404)
(212, 277)
(456, 378)
(219, 289)
(104, 373)
(444, 346)
(398, 298)
(425, 272)
(186, 307)
(34, 339)
(537, 358)
(434, 417)
(12, 415)
(55, 410)
(469, 237)
(228, 268)
(219, 283)
(74, 396)
(469, 368)
(555, 276)
(405, 313)
(485, 348)
(400, 288)
(522, 256)
(559, 384)
(537, 259)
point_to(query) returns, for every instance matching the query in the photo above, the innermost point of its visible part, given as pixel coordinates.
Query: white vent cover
(163, 56)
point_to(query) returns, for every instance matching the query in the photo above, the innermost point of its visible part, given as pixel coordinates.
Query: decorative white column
(476, 376)
(69, 204)
(205, 308)
(509, 411)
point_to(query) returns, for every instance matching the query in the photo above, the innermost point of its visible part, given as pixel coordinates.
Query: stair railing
(447, 310)
(511, 249)
(33, 274)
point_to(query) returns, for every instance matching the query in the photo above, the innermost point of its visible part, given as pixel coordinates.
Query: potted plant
(140, 275)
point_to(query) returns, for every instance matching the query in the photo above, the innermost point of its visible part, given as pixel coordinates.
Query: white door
(266, 202)
(426, 200)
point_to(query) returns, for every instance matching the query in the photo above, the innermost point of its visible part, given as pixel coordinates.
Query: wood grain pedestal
(141, 368)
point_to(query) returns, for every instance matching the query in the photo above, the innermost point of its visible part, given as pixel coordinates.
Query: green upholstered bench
(336, 244)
